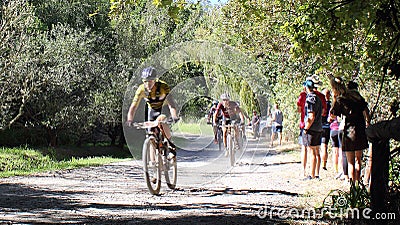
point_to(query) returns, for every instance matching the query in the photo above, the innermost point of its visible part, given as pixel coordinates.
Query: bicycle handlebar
(151, 124)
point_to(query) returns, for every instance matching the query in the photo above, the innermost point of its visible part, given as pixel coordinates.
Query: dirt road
(209, 191)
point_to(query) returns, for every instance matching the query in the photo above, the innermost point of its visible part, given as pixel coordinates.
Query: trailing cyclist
(155, 93)
(231, 112)
(210, 119)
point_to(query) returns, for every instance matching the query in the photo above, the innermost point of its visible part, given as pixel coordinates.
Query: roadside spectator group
(342, 121)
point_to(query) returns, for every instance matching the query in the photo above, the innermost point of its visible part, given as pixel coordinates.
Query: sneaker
(307, 177)
(339, 175)
(324, 168)
(171, 156)
(226, 153)
(172, 153)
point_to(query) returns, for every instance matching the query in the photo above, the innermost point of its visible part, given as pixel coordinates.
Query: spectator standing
(353, 107)
(255, 124)
(326, 130)
(277, 124)
(312, 127)
(339, 159)
(301, 101)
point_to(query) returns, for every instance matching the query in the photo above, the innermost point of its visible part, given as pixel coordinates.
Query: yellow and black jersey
(154, 98)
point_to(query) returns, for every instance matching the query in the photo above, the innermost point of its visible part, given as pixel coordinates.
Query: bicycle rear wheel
(152, 169)
(170, 170)
(220, 139)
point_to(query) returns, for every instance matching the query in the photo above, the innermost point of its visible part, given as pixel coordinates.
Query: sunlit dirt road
(209, 191)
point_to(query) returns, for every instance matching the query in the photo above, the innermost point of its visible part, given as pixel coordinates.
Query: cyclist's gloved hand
(176, 119)
(241, 123)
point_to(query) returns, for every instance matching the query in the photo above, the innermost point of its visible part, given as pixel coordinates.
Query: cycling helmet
(225, 96)
(149, 73)
(215, 102)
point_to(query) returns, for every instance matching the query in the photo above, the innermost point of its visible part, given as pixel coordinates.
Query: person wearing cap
(318, 83)
(155, 93)
(325, 133)
(312, 127)
(230, 112)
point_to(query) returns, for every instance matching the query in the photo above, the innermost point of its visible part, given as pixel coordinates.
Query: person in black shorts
(313, 127)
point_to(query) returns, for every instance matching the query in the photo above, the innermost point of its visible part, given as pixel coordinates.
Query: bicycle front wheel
(170, 171)
(231, 149)
(151, 166)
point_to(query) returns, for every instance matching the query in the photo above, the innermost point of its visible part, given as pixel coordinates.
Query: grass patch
(200, 128)
(25, 161)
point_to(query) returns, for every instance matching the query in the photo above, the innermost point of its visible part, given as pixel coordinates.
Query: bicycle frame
(231, 141)
(156, 161)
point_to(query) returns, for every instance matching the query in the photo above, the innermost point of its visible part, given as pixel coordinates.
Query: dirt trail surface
(116, 193)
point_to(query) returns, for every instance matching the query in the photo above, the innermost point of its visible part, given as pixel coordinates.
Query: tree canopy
(65, 65)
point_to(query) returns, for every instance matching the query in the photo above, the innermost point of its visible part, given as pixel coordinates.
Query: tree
(356, 39)
(20, 77)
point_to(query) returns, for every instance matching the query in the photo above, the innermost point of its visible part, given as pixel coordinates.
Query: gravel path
(208, 192)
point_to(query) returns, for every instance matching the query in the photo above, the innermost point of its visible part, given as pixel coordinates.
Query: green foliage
(19, 48)
(23, 161)
(78, 15)
(254, 27)
(174, 8)
(341, 201)
(354, 39)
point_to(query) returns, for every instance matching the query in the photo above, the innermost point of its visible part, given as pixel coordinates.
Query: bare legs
(324, 155)
(304, 159)
(315, 160)
(367, 174)
(335, 158)
(273, 138)
(354, 161)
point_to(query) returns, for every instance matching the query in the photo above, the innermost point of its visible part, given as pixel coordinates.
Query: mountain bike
(242, 139)
(155, 158)
(232, 144)
(220, 137)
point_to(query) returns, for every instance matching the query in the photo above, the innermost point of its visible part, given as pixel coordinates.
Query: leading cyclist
(154, 92)
(231, 112)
